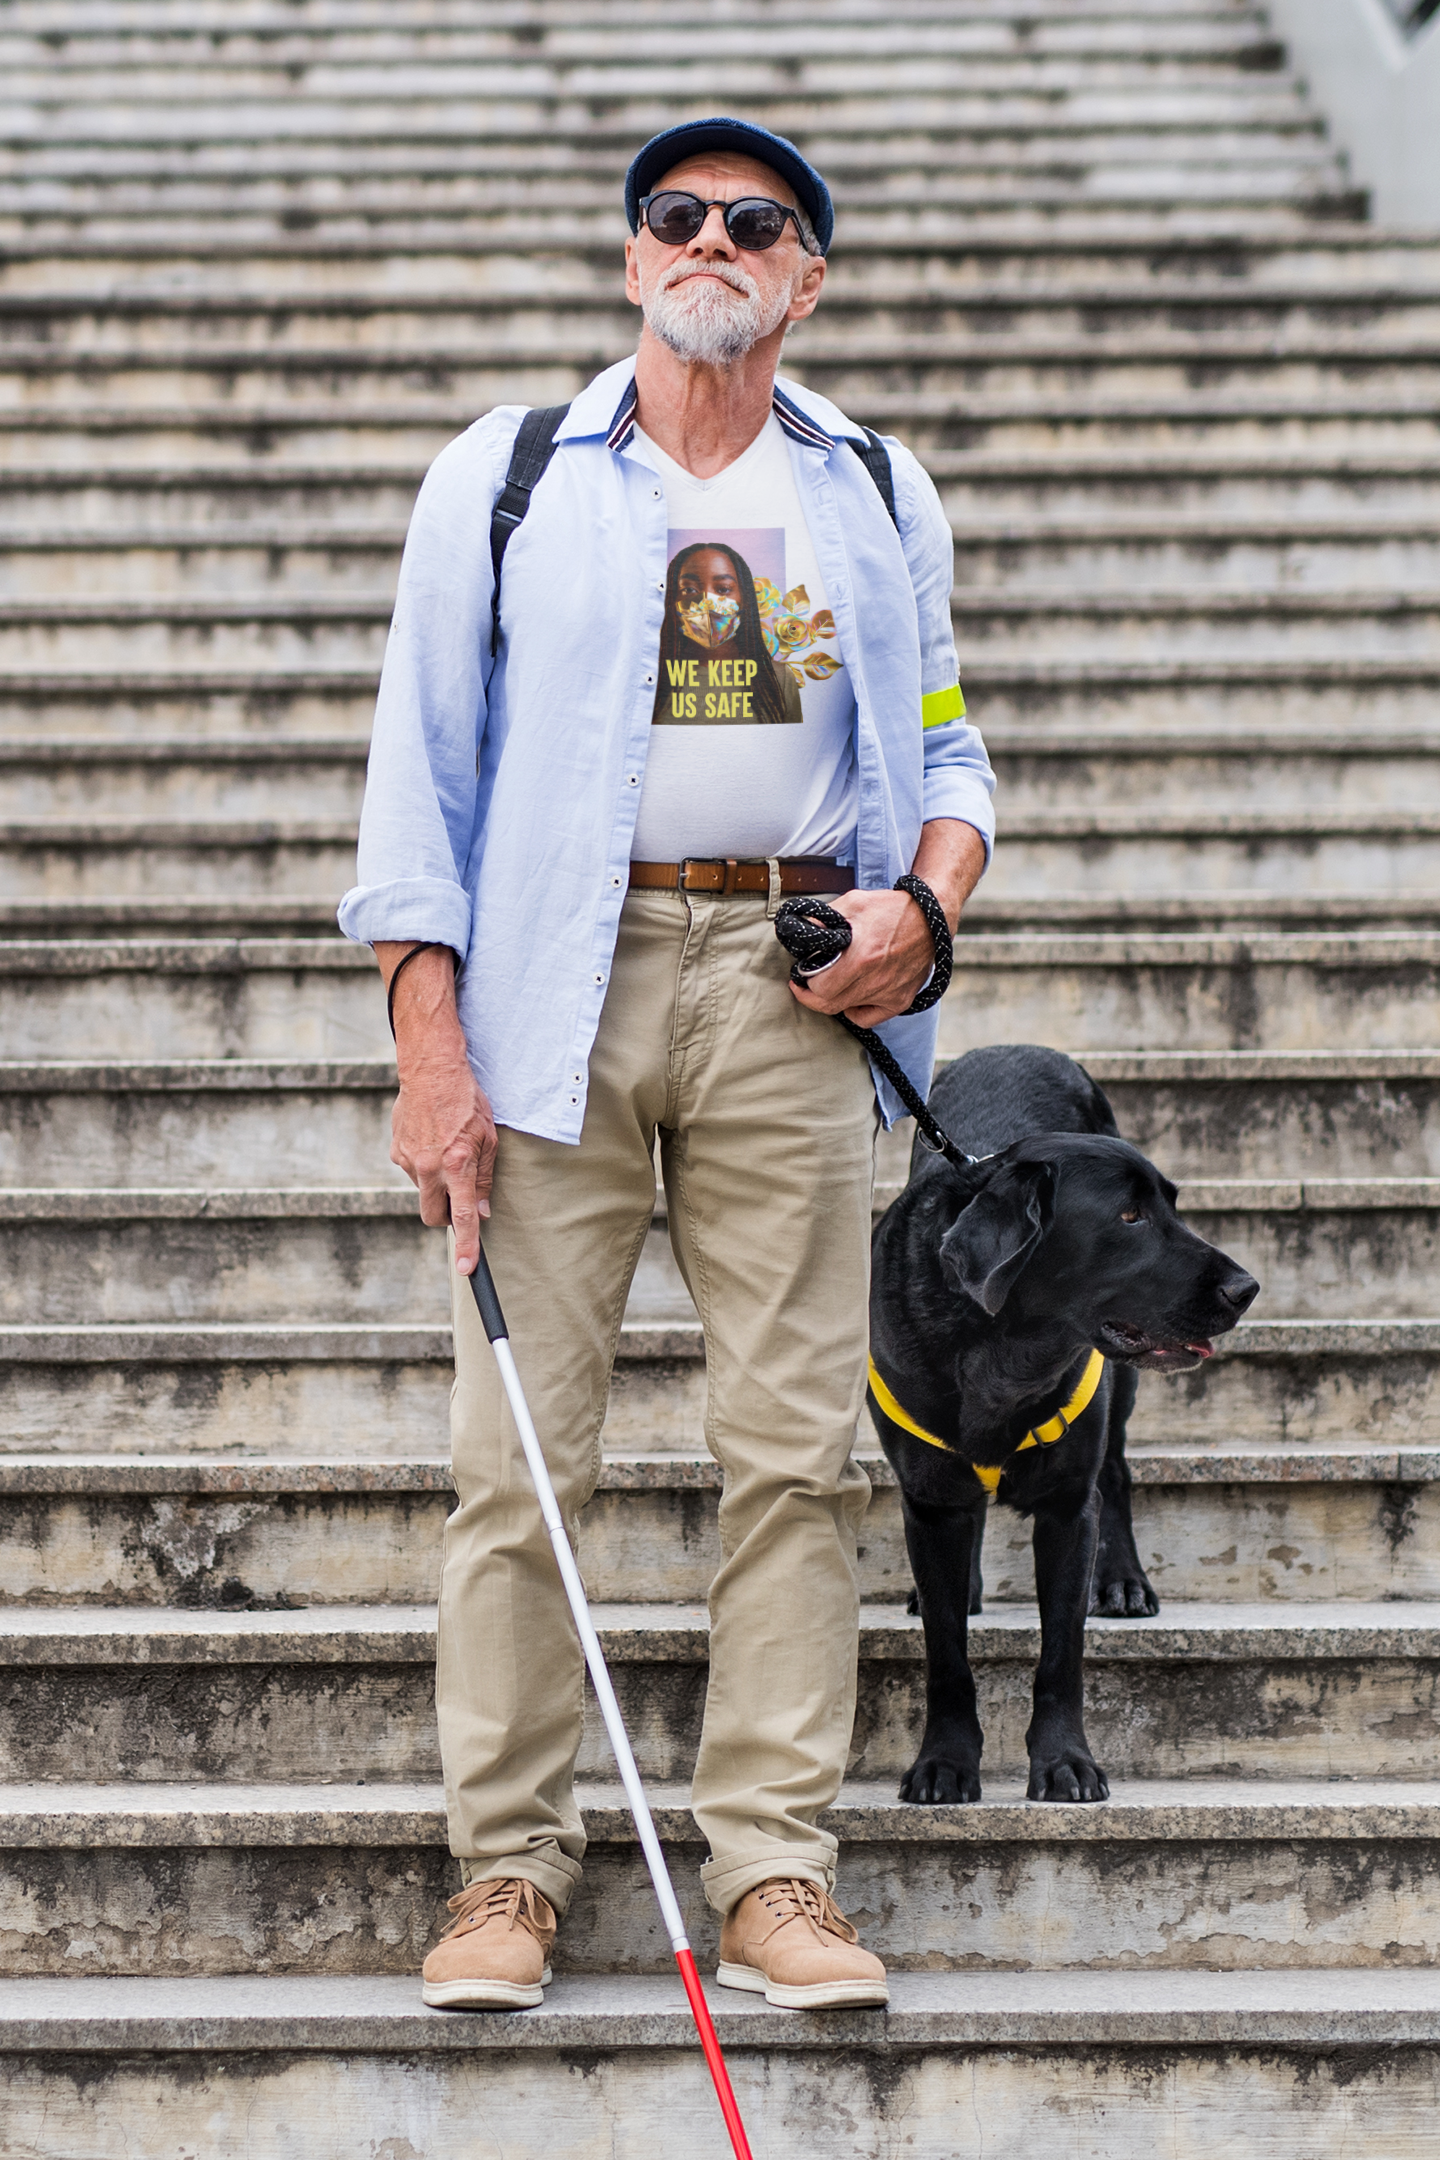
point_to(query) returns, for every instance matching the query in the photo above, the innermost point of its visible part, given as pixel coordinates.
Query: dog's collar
(1054, 1428)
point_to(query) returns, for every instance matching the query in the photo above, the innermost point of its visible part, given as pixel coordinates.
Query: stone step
(1159, 852)
(88, 1256)
(279, 435)
(1109, 192)
(160, 366)
(244, 58)
(1397, 695)
(1222, 1523)
(905, 121)
(239, 778)
(1049, 775)
(229, 503)
(304, 915)
(1059, 633)
(148, 1695)
(152, 705)
(69, 858)
(383, 1389)
(350, 1879)
(1260, 554)
(961, 2064)
(1153, 854)
(1114, 913)
(192, 998)
(318, 998)
(1109, 767)
(1291, 1114)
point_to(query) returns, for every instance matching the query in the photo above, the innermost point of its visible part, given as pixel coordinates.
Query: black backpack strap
(534, 448)
(876, 460)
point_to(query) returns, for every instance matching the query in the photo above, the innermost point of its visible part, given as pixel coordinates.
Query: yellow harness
(1045, 1435)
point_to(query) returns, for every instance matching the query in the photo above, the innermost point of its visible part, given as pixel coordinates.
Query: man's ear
(990, 1241)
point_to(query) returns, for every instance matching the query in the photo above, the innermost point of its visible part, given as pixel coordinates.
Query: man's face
(708, 300)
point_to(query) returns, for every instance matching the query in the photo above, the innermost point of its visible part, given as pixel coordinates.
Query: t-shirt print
(735, 646)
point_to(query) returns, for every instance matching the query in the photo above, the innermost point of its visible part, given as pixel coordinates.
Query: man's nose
(712, 238)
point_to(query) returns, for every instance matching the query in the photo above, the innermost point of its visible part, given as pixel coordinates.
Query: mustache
(725, 273)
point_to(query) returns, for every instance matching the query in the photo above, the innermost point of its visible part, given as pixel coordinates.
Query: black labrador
(992, 1287)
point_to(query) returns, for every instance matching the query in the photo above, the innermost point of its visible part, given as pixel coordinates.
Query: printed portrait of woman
(715, 667)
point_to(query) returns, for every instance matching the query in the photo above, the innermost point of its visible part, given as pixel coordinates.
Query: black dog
(993, 1289)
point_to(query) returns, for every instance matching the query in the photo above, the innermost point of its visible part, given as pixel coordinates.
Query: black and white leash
(815, 934)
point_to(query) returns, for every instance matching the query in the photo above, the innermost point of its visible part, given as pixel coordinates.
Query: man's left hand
(890, 954)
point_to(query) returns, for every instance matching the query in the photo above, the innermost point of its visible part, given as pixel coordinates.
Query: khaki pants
(766, 1118)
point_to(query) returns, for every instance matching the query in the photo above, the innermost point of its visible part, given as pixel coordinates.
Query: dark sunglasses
(753, 223)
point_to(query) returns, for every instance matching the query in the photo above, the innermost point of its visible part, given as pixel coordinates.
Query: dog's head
(1080, 1227)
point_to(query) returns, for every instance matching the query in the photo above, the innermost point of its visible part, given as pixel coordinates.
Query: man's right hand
(442, 1127)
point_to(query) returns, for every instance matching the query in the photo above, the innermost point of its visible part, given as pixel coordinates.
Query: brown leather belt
(718, 874)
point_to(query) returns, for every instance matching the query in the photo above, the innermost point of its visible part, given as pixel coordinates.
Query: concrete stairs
(1103, 268)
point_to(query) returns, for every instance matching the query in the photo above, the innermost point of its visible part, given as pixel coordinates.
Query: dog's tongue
(1201, 1349)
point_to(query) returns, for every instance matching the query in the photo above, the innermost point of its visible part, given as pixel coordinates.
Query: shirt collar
(607, 407)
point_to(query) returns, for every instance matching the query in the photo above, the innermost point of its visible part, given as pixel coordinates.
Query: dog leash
(814, 934)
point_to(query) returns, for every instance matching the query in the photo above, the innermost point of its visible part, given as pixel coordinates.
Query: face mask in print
(712, 620)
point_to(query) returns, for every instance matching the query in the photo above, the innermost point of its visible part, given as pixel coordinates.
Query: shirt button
(656, 493)
(631, 780)
(600, 978)
(649, 678)
(659, 584)
(615, 881)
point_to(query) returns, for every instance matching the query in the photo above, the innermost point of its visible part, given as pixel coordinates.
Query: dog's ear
(990, 1241)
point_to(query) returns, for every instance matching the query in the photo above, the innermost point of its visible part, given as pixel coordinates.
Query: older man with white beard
(717, 669)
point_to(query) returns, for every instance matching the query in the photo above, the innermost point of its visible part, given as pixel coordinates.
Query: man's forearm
(427, 1020)
(443, 1133)
(951, 860)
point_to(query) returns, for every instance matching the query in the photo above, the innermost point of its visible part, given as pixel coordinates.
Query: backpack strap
(876, 460)
(534, 448)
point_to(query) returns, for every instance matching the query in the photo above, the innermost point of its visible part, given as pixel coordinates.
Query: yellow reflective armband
(938, 706)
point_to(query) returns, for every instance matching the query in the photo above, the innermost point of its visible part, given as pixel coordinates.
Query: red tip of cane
(720, 2076)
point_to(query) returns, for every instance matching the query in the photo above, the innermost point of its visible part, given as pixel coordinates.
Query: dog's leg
(1061, 1765)
(1121, 1590)
(942, 1542)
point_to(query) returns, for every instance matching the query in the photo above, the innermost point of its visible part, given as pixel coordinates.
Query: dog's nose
(1239, 1290)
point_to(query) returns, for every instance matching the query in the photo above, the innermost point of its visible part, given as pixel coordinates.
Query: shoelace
(796, 1898)
(511, 1900)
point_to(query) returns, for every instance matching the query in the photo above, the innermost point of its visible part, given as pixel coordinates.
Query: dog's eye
(1131, 1214)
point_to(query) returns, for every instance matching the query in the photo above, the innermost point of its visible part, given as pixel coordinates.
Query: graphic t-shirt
(752, 750)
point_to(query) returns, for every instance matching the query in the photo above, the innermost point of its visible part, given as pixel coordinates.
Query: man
(607, 888)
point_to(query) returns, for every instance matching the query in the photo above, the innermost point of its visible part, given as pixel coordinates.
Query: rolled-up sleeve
(418, 820)
(958, 780)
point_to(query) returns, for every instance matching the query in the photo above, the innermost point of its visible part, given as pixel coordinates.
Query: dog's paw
(931, 1781)
(1070, 1776)
(1125, 1595)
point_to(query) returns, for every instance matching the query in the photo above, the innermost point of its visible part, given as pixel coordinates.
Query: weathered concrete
(336, 1879)
(1306, 1526)
(154, 1695)
(961, 2066)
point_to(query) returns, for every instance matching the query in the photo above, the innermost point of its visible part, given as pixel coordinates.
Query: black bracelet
(430, 945)
(940, 936)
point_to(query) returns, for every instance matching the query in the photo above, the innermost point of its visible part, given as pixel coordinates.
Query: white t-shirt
(752, 750)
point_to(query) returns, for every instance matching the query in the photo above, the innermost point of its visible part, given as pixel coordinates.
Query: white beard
(711, 317)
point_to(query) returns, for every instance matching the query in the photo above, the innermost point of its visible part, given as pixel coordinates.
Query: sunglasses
(753, 223)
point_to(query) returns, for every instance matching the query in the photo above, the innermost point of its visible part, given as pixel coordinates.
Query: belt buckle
(726, 867)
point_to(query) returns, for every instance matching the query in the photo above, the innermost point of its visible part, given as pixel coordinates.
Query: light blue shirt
(502, 793)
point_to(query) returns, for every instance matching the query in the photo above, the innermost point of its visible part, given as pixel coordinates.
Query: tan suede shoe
(497, 1954)
(789, 1941)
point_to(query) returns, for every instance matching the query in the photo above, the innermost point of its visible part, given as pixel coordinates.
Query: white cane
(482, 1282)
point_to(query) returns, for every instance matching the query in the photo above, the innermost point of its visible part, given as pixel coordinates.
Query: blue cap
(665, 151)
